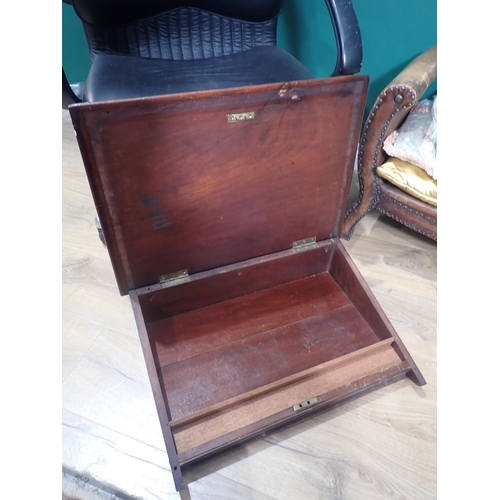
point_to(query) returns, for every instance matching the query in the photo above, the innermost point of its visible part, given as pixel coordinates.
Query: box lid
(200, 180)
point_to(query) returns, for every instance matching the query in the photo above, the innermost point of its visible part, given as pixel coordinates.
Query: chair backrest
(116, 12)
(177, 29)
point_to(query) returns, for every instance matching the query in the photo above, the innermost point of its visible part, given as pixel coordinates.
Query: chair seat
(120, 77)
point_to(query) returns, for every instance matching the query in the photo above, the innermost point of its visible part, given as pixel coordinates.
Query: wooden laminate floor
(377, 447)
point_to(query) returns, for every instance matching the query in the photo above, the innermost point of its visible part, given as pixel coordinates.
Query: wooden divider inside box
(246, 343)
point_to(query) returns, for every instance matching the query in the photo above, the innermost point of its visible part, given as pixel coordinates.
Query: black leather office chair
(154, 47)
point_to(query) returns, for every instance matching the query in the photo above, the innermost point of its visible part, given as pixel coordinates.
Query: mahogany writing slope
(222, 212)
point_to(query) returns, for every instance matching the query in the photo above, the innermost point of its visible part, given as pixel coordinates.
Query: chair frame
(390, 110)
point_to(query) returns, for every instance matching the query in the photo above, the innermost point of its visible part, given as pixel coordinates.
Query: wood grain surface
(183, 206)
(377, 447)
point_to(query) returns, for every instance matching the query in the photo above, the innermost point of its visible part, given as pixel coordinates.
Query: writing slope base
(247, 348)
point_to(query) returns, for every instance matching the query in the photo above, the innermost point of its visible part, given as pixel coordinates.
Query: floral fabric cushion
(416, 140)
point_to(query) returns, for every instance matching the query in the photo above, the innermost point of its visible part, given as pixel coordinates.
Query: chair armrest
(394, 104)
(68, 96)
(419, 74)
(348, 37)
(388, 113)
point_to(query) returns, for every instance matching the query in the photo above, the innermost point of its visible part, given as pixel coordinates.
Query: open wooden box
(222, 212)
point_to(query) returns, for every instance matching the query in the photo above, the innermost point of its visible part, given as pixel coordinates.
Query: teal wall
(393, 33)
(75, 53)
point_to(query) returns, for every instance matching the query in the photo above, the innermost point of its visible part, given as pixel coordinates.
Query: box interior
(240, 347)
(258, 333)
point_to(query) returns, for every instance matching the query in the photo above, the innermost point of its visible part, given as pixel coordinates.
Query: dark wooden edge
(324, 246)
(159, 397)
(176, 101)
(89, 161)
(391, 108)
(288, 416)
(233, 280)
(347, 275)
(348, 172)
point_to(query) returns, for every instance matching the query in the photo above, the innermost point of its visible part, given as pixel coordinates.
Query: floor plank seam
(102, 426)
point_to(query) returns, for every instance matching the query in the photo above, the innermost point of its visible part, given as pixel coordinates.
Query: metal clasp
(306, 404)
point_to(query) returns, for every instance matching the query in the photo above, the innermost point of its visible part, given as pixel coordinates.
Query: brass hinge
(302, 245)
(174, 279)
(305, 404)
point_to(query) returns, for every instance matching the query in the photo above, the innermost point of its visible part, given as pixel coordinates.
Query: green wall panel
(75, 53)
(393, 33)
